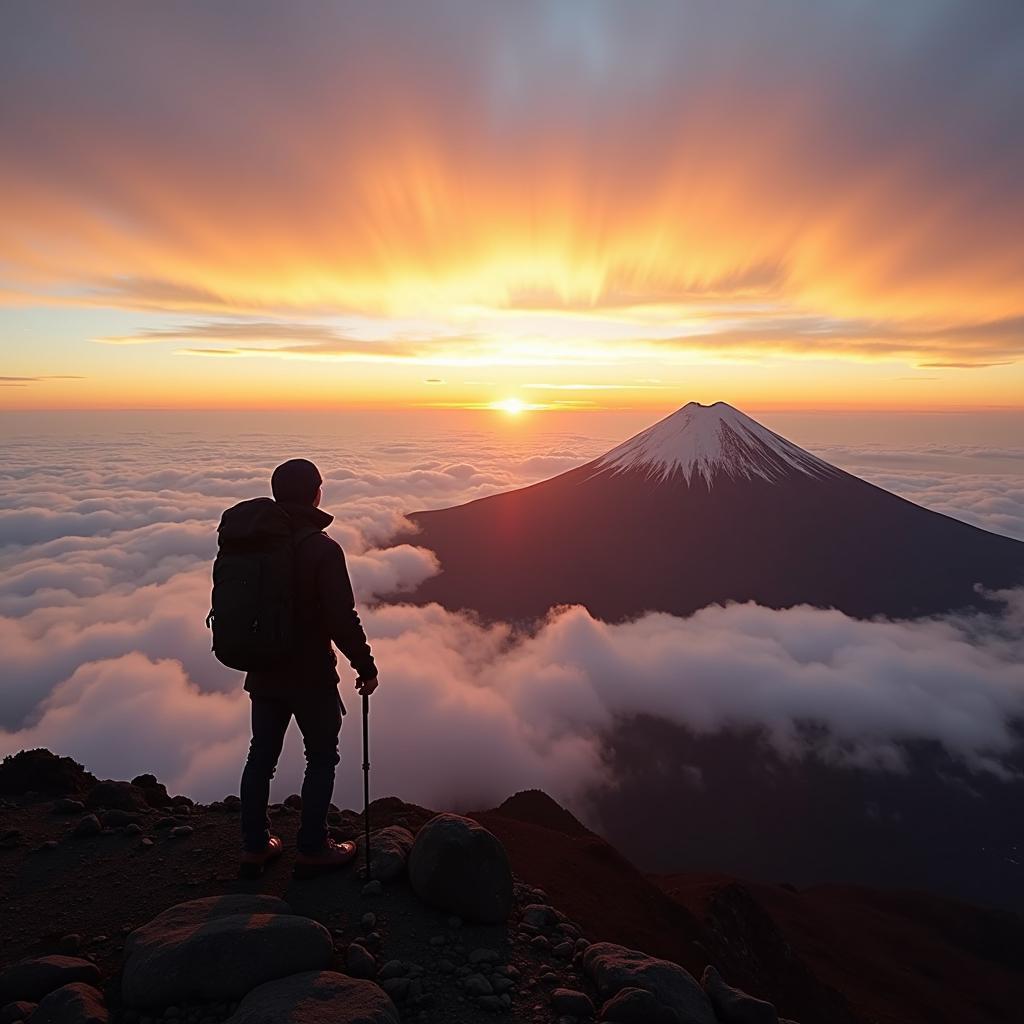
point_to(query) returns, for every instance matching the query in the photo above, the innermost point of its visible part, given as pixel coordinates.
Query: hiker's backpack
(251, 609)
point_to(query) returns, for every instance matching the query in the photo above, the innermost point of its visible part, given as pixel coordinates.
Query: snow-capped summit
(704, 507)
(707, 441)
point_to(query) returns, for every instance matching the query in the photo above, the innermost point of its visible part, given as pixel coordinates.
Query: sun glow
(512, 406)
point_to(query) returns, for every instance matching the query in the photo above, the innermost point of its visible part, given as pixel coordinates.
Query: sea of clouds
(106, 540)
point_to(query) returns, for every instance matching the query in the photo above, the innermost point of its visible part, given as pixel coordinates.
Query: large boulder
(34, 978)
(316, 997)
(76, 1003)
(155, 792)
(458, 866)
(733, 1005)
(219, 948)
(635, 1006)
(613, 968)
(389, 851)
(111, 795)
(569, 1002)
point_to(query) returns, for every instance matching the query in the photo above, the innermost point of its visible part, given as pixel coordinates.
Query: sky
(565, 205)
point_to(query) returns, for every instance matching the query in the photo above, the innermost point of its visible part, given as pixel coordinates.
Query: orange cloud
(801, 182)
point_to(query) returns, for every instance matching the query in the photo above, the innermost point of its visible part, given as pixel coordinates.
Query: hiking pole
(366, 778)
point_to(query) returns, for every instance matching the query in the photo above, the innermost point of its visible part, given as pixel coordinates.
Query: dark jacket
(324, 611)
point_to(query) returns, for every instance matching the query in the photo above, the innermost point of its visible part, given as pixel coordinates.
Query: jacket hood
(264, 519)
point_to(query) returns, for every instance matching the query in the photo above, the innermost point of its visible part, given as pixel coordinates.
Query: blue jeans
(317, 712)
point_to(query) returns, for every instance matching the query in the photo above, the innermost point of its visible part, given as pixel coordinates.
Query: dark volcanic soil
(826, 955)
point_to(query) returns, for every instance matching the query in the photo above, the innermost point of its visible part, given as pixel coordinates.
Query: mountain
(706, 506)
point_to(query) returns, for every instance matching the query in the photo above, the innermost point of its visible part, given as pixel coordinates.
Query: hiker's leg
(270, 720)
(318, 714)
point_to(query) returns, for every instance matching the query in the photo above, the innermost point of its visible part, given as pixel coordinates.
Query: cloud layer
(105, 546)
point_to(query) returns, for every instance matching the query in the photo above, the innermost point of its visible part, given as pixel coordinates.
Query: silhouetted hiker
(281, 630)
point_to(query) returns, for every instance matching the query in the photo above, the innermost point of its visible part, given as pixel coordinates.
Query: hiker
(300, 677)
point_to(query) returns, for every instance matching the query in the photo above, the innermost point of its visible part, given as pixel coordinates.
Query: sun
(513, 406)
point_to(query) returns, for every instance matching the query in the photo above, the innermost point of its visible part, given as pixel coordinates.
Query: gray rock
(118, 818)
(484, 956)
(397, 988)
(68, 805)
(373, 888)
(360, 962)
(19, 1010)
(613, 968)
(182, 832)
(77, 1003)
(733, 1005)
(389, 851)
(538, 915)
(458, 866)
(493, 1003)
(636, 1006)
(572, 1003)
(88, 826)
(393, 969)
(34, 978)
(477, 985)
(219, 948)
(316, 997)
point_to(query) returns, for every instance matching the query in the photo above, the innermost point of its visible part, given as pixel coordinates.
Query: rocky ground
(121, 902)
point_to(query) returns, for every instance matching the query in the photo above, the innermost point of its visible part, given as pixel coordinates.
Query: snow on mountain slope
(708, 441)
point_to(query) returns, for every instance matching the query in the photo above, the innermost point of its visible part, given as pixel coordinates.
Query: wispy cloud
(268, 338)
(24, 382)
(813, 336)
(639, 386)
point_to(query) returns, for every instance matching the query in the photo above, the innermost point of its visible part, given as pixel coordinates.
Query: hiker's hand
(364, 687)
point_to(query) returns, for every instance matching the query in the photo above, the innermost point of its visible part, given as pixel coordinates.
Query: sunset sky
(563, 204)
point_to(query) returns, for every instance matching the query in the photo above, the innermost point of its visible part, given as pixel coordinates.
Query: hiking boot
(329, 857)
(252, 862)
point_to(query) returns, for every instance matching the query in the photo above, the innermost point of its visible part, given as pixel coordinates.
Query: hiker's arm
(339, 605)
